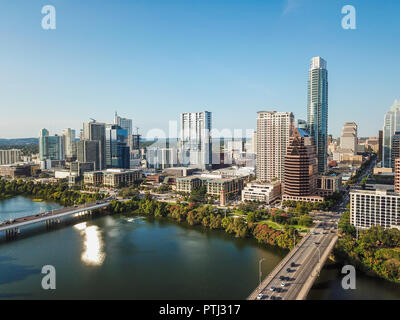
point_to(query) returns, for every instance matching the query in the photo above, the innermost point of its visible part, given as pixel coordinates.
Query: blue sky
(151, 60)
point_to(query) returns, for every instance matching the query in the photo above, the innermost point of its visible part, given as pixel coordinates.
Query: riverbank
(376, 252)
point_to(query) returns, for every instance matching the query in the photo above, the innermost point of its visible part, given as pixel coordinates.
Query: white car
(283, 284)
(260, 296)
(272, 289)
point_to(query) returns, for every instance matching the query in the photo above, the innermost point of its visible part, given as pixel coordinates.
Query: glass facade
(117, 151)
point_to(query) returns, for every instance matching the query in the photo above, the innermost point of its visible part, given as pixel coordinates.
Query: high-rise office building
(96, 131)
(300, 166)
(349, 139)
(117, 150)
(69, 143)
(390, 127)
(317, 119)
(88, 152)
(126, 124)
(196, 145)
(273, 132)
(50, 147)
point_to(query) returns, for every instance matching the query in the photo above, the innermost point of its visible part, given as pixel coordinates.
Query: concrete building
(188, 184)
(390, 127)
(328, 184)
(10, 156)
(273, 132)
(264, 192)
(15, 170)
(397, 175)
(226, 186)
(349, 139)
(372, 208)
(301, 169)
(113, 177)
(395, 148)
(196, 143)
(317, 115)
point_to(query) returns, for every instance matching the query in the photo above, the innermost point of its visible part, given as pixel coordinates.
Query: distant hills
(20, 142)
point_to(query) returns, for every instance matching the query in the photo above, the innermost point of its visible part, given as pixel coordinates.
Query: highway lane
(305, 259)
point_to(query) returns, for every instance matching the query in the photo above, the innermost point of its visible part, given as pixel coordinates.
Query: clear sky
(152, 59)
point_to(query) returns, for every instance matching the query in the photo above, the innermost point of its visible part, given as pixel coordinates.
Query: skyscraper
(88, 152)
(126, 124)
(117, 151)
(317, 116)
(390, 127)
(300, 167)
(196, 142)
(50, 147)
(273, 132)
(69, 143)
(96, 131)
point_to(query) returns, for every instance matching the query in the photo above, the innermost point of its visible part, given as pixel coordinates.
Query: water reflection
(93, 253)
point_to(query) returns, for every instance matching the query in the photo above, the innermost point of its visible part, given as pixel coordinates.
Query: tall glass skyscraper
(117, 151)
(390, 127)
(318, 109)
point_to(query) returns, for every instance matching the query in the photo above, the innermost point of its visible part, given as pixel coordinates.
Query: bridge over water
(294, 276)
(13, 228)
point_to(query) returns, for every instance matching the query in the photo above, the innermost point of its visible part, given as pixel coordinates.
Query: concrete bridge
(13, 228)
(294, 276)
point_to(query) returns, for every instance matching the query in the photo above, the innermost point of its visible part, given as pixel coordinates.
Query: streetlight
(259, 269)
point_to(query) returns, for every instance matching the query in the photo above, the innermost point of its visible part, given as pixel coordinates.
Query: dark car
(282, 278)
(292, 264)
(288, 270)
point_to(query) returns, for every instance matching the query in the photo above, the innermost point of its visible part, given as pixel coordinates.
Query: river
(120, 257)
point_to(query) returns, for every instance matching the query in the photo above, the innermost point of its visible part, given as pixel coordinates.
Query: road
(300, 265)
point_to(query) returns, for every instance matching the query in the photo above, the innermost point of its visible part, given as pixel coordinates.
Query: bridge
(13, 228)
(294, 276)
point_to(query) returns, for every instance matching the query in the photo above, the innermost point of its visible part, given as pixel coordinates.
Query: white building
(267, 192)
(69, 143)
(196, 142)
(273, 132)
(10, 156)
(372, 208)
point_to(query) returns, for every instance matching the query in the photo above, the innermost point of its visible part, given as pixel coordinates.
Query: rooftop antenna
(94, 120)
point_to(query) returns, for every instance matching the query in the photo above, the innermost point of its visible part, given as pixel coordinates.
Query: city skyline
(165, 60)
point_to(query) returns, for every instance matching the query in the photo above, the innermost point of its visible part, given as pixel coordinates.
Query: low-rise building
(188, 184)
(266, 192)
(15, 171)
(228, 185)
(373, 208)
(121, 177)
(328, 184)
(113, 177)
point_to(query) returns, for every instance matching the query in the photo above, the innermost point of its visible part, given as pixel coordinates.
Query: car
(282, 278)
(260, 296)
(273, 298)
(283, 284)
(292, 264)
(272, 288)
(279, 290)
(288, 270)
